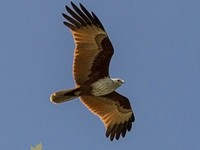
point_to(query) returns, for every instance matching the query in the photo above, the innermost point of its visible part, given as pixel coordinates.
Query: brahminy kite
(93, 52)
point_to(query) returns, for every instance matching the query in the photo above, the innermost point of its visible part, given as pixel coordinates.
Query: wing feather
(93, 49)
(115, 112)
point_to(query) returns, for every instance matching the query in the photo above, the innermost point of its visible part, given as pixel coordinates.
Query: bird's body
(100, 87)
(105, 86)
(91, 73)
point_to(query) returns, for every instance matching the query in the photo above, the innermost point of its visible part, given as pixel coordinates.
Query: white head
(118, 81)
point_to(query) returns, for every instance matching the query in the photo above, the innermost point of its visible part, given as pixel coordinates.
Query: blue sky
(157, 50)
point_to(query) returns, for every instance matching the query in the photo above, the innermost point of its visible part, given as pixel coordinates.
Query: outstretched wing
(93, 48)
(115, 112)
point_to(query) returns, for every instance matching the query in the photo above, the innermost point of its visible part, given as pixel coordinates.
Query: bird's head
(118, 81)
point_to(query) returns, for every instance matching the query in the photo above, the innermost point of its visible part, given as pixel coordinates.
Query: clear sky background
(157, 53)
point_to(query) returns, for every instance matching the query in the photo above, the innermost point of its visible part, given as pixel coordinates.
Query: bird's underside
(91, 73)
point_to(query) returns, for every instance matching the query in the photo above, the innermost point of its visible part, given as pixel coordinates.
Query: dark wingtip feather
(98, 21)
(81, 17)
(108, 131)
(129, 126)
(72, 27)
(64, 15)
(67, 7)
(81, 5)
(124, 129)
(72, 20)
(72, 3)
(123, 133)
(112, 137)
(119, 129)
(132, 118)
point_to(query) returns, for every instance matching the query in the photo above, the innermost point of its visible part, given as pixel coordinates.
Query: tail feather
(65, 95)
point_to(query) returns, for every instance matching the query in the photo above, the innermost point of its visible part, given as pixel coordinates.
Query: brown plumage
(93, 52)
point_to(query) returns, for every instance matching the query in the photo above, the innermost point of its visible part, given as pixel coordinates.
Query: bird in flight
(94, 86)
